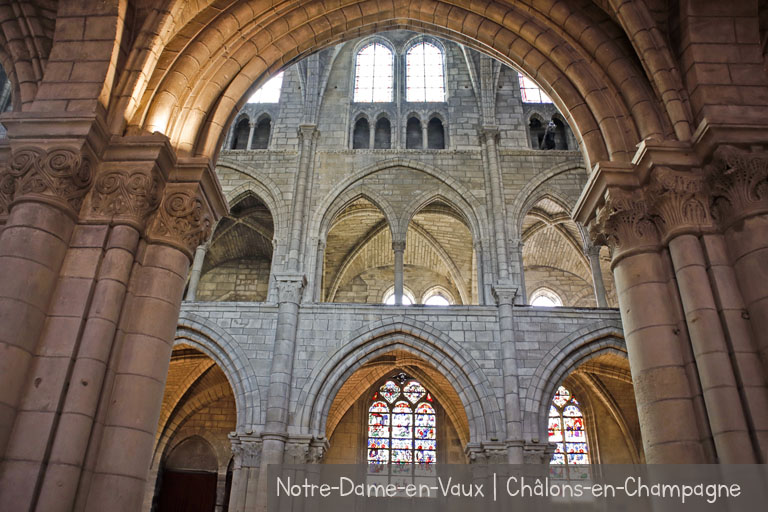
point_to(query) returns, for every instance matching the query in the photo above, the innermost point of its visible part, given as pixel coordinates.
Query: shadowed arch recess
(605, 93)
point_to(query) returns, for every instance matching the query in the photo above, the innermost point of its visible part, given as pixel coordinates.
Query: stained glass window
(402, 428)
(424, 78)
(567, 430)
(531, 92)
(373, 74)
(269, 92)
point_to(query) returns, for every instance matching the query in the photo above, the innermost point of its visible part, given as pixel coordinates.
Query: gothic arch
(407, 335)
(219, 345)
(266, 190)
(343, 199)
(581, 346)
(605, 92)
(320, 221)
(525, 198)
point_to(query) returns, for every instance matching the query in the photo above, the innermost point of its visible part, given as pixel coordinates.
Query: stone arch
(320, 221)
(559, 199)
(524, 199)
(593, 340)
(454, 200)
(604, 91)
(226, 352)
(342, 200)
(162, 447)
(408, 335)
(262, 186)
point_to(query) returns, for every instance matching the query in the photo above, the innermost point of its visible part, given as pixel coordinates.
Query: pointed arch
(401, 333)
(227, 353)
(605, 337)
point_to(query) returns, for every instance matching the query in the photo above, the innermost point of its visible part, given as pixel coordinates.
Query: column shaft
(33, 244)
(196, 272)
(721, 396)
(399, 248)
(127, 440)
(249, 142)
(593, 253)
(746, 359)
(747, 242)
(662, 391)
(68, 452)
(514, 425)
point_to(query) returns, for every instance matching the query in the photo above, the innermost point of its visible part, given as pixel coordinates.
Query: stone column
(662, 390)
(480, 272)
(516, 251)
(246, 451)
(673, 195)
(42, 188)
(593, 253)
(495, 199)
(112, 201)
(737, 179)
(399, 248)
(307, 135)
(319, 266)
(505, 297)
(289, 287)
(124, 447)
(196, 272)
(249, 142)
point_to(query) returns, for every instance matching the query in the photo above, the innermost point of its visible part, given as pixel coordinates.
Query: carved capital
(624, 222)
(489, 134)
(246, 450)
(124, 196)
(183, 219)
(305, 449)
(678, 201)
(504, 293)
(398, 246)
(487, 452)
(59, 175)
(289, 287)
(738, 184)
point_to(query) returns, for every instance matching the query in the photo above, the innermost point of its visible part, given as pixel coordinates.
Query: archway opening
(239, 258)
(192, 448)
(592, 417)
(553, 257)
(358, 430)
(439, 252)
(358, 264)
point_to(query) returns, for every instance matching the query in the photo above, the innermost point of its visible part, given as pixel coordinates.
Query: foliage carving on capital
(738, 183)
(289, 287)
(131, 194)
(677, 200)
(624, 222)
(60, 173)
(183, 219)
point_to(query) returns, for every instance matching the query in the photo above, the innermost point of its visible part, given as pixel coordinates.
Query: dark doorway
(183, 491)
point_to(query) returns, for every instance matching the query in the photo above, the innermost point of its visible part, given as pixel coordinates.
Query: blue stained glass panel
(402, 420)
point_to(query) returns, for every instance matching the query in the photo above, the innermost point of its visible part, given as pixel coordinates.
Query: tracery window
(567, 430)
(545, 297)
(531, 92)
(389, 297)
(373, 74)
(269, 92)
(402, 426)
(424, 76)
(437, 296)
